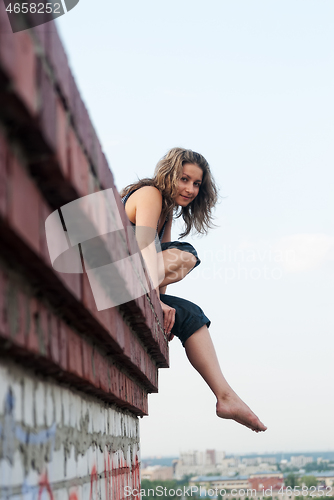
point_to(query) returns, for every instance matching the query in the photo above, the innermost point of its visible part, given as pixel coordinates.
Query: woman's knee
(189, 260)
(186, 261)
(176, 259)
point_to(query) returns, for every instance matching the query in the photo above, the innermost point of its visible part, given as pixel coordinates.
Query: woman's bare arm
(147, 208)
(147, 203)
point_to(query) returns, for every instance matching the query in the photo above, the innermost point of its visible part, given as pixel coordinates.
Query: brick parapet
(49, 156)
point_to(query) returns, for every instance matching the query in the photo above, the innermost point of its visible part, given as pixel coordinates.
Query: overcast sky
(250, 85)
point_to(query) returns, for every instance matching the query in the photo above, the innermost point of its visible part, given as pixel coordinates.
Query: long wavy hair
(198, 214)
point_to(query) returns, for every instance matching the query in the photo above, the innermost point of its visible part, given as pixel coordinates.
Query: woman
(183, 184)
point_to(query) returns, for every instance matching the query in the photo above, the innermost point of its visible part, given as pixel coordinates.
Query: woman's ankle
(225, 395)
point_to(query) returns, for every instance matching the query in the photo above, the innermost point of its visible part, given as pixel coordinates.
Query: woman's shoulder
(148, 192)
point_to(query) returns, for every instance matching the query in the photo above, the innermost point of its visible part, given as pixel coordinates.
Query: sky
(250, 85)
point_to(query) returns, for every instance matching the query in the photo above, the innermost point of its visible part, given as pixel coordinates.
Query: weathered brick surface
(48, 108)
(78, 164)
(32, 332)
(25, 70)
(3, 176)
(62, 137)
(24, 197)
(7, 43)
(50, 156)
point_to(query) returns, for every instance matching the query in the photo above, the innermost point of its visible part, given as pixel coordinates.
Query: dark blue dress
(189, 317)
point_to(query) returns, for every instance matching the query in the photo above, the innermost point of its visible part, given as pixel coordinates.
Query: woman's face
(189, 184)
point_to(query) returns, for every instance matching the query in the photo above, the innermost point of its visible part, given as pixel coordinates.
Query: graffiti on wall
(117, 472)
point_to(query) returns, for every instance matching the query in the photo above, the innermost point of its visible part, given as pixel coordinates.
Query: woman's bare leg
(177, 264)
(202, 355)
(201, 352)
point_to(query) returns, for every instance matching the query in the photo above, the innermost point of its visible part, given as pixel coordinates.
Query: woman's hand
(169, 319)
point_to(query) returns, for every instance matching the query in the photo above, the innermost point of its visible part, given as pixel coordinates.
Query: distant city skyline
(275, 452)
(214, 463)
(210, 471)
(328, 454)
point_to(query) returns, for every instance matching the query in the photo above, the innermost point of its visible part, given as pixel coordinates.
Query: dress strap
(125, 198)
(161, 234)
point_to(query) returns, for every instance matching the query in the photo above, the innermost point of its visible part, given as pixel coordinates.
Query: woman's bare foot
(202, 356)
(231, 406)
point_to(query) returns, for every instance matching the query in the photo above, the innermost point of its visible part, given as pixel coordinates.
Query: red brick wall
(49, 156)
(259, 483)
